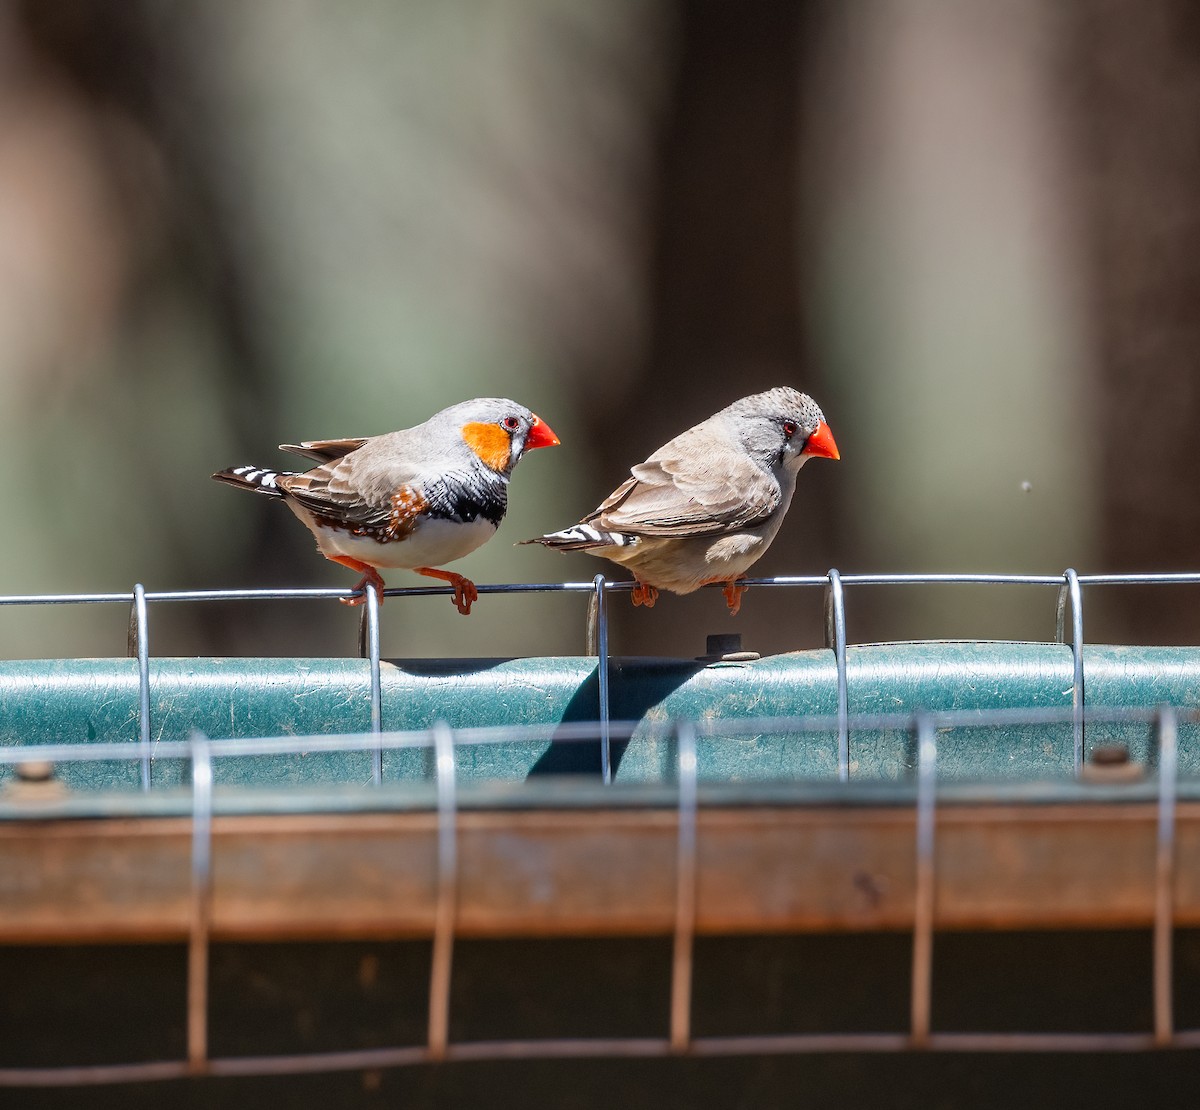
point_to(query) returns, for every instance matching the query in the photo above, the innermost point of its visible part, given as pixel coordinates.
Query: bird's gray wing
(363, 494)
(691, 486)
(323, 450)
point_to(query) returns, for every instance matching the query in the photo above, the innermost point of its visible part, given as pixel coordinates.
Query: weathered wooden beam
(592, 872)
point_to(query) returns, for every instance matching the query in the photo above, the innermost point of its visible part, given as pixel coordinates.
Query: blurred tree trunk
(1139, 116)
(725, 313)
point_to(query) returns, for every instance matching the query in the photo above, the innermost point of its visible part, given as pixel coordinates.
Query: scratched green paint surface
(94, 700)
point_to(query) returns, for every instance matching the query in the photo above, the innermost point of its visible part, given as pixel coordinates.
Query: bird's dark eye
(790, 428)
(510, 423)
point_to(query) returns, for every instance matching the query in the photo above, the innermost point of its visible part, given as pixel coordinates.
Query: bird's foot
(644, 595)
(465, 593)
(733, 591)
(370, 577)
(734, 588)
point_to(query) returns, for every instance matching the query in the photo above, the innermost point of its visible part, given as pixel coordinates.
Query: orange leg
(464, 589)
(733, 595)
(370, 577)
(644, 595)
(733, 592)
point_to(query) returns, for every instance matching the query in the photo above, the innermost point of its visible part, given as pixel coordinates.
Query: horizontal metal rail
(590, 1049)
(582, 731)
(303, 593)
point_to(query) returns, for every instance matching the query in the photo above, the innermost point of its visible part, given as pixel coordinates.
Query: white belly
(682, 565)
(433, 543)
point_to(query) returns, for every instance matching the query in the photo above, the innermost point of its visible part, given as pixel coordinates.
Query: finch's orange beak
(541, 435)
(821, 444)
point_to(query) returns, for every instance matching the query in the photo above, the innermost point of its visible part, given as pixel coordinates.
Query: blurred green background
(970, 230)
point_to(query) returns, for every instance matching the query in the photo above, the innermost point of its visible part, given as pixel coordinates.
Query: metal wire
(601, 610)
(835, 637)
(139, 648)
(320, 593)
(1164, 878)
(447, 893)
(369, 636)
(1073, 591)
(568, 1049)
(922, 960)
(201, 753)
(1069, 584)
(685, 890)
(201, 909)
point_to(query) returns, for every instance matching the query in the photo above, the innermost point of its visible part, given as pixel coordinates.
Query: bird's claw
(360, 590)
(733, 591)
(644, 595)
(465, 594)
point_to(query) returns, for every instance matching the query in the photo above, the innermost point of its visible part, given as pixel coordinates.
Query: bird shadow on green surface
(631, 698)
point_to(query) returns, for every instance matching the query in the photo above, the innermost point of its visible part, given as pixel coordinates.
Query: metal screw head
(33, 780)
(726, 647)
(1111, 763)
(35, 770)
(723, 643)
(1110, 755)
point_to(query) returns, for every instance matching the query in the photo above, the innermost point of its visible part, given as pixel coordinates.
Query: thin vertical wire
(923, 912)
(835, 637)
(601, 609)
(371, 617)
(447, 892)
(201, 909)
(685, 891)
(591, 629)
(1164, 879)
(1071, 589)
(139, 647)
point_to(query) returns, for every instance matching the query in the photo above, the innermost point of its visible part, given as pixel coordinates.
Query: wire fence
(925, 727)
(202, 753)
(1069, 629)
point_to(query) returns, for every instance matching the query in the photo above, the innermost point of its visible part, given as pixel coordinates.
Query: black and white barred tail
(580, 537)
(254, 478)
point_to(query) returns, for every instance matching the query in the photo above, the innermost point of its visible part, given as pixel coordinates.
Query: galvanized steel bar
(574, 732)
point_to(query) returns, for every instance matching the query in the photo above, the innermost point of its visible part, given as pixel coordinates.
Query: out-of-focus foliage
(968, 229)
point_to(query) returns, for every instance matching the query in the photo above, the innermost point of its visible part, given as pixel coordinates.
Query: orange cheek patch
(490, 442)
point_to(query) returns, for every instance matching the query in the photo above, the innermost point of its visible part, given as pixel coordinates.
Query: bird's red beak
(540, 435)
(821, 444)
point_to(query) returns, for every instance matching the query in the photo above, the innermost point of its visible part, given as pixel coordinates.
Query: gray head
(780, 428)
(498, 431)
